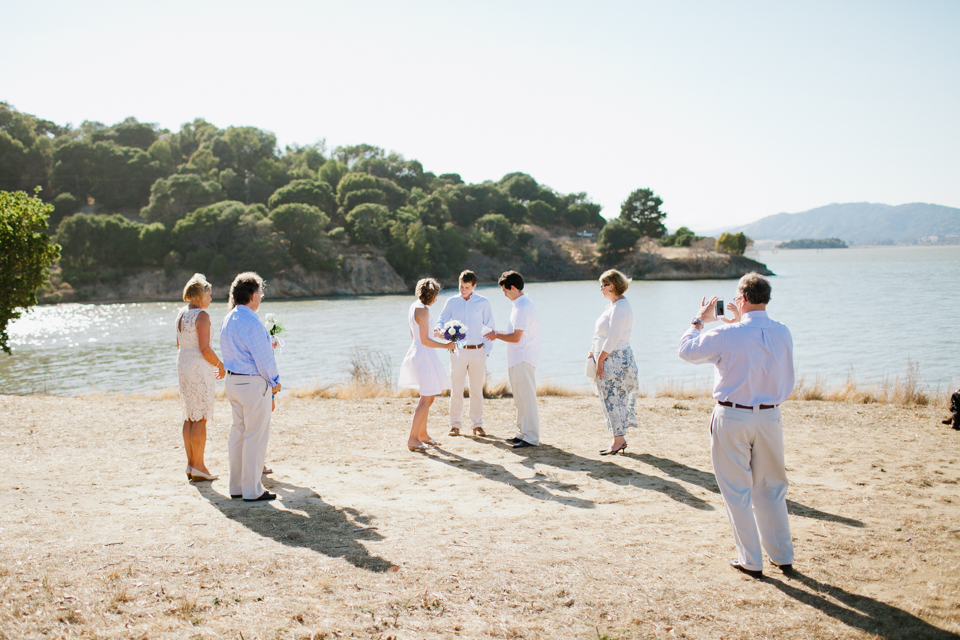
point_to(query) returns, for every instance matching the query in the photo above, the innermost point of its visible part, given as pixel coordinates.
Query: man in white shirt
(470, 356)
(753, 356)
(523, 353)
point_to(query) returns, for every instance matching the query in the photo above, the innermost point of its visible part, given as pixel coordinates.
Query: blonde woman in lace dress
(197, 369)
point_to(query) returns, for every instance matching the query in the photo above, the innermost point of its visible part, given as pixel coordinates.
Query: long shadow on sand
(709, 482)
(605, 470)
(541, 489)
(316, 525)
(860, 612)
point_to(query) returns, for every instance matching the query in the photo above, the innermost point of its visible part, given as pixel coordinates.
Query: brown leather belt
(472, 346)
(740, 406)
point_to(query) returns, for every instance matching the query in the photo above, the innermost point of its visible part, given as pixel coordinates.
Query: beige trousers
(523, 383)
(747, 452)
(250, 398)
(462, 363)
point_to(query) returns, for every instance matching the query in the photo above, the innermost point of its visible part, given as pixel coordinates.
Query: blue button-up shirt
(475, 313)
(245, 345)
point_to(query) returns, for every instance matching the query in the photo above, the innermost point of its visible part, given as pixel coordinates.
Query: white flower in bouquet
(454, 331)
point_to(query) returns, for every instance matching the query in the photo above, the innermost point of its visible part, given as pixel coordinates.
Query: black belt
(740, 406)
(231, 373)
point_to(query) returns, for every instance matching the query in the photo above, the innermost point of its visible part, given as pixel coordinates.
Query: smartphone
(719, 307)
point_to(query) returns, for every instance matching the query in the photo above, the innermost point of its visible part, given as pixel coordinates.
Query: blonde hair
(427, 290)
(195, 288)
(619, 281)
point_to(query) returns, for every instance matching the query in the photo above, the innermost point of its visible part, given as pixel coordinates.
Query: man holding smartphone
(753, 356)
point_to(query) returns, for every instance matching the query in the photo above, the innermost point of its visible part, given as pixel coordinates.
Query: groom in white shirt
(470, 357)
(523, 353)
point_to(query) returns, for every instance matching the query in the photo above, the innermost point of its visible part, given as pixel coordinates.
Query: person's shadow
(332, 531)
(605, 470)
(874, 617)
(538, 488)
(709, 482)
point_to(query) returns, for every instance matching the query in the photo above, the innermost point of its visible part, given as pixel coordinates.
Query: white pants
(747, 452)
(523, 383)
(463, 362)
(250, 399)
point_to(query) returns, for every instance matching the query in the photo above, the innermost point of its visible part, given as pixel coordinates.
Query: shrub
(734, 244)
(616, 241)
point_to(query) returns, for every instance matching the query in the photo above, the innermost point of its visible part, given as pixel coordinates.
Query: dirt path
(102, 536)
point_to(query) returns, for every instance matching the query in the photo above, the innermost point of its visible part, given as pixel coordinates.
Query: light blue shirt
(245, 345)
(475, 313)
(753, 359)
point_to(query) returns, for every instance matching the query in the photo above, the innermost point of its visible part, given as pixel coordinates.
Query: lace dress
(196, 376)
(421, 368)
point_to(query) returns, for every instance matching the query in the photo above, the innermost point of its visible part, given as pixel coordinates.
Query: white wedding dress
(196, 376)
(421, 368)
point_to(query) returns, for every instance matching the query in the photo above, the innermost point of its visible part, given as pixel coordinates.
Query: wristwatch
(697, 322)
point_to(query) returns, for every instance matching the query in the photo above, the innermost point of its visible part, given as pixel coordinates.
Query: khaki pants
(474, 363)
(747, 452)
(523, 382)
(250, 399)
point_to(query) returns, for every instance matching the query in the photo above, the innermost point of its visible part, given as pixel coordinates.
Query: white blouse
(612, 330)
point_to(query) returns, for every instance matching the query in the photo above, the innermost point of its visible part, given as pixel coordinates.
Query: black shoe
(236, 497)
(514, 440)
(522, 444)
(613, 452)
(264, 497)
(756, 575)
(787, 569)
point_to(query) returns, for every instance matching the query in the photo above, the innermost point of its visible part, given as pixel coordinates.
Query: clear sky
(730, 111)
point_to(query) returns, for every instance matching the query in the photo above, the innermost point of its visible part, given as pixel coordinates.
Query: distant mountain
(860, 223)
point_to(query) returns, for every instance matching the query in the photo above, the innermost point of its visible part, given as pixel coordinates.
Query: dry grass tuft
(670, 388)
(908, 391)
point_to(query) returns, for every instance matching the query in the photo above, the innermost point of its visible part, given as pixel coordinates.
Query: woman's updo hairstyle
(427, 290)
(619, 281)
(195, 288)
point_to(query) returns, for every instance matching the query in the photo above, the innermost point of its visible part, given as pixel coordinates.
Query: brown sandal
(454, 431)
(478, 431)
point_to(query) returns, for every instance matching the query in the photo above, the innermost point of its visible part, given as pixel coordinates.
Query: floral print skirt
(618, 391)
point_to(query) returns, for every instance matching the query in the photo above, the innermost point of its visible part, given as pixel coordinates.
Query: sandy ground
(101, 536)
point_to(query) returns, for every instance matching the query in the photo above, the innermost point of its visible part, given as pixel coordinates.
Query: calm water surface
(861, 312)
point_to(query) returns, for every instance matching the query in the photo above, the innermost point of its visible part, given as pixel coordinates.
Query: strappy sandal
(454, 431)
(478, 431)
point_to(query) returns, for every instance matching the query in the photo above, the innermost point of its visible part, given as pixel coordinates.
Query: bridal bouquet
(455, 331)
(274, 328)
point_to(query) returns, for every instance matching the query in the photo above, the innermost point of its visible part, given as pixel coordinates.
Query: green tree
(354, 182)
(332, 171)
(616, 241)
(26, 149)
(63, 205)
(433, 211)
(313, 192)
(129, 133)
(91, 244)
(642, 210)
(541, 213)
(520, 186)
(302, 225)
(732, 243)
(492, 233)
(119, 178)
(366, 224)
(26, 254)
(174, 197)
(155, 243)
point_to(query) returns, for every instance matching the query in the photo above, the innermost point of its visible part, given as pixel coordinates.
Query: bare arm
(513, 336)
(422, 318)
(203, 337)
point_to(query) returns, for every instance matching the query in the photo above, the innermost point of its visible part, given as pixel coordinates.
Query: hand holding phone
(719, 307)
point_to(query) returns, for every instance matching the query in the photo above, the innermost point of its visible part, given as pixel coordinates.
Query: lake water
(862, 312)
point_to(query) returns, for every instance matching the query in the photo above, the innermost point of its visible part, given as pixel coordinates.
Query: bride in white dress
(421, 368)
(197, 368)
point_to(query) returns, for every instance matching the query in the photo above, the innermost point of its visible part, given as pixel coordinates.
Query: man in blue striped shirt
(252, 381)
